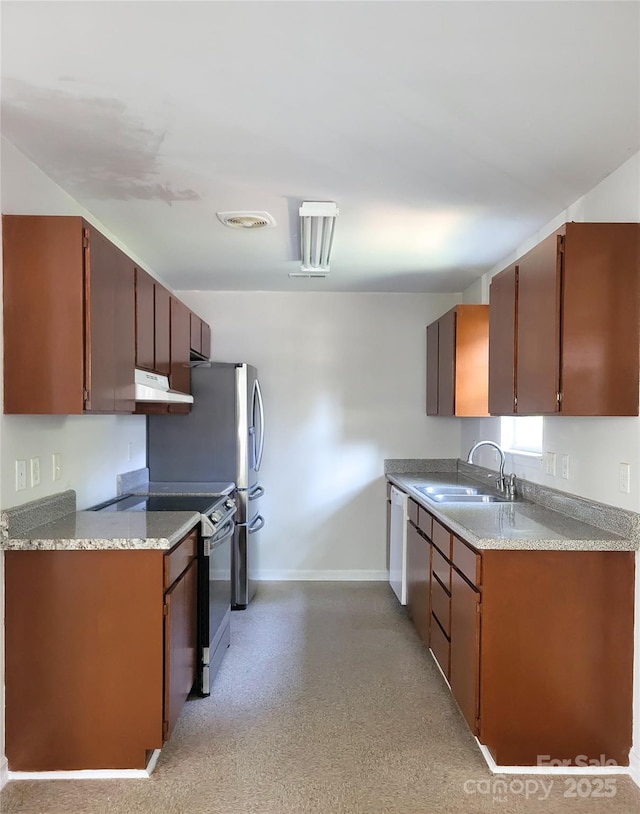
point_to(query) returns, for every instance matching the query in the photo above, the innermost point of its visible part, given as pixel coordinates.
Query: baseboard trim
(4, 772)
(91, 774)
(328, 576)
(548, 770)
(634, 765)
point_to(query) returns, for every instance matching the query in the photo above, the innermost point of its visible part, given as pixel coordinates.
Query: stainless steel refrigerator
(221, 439)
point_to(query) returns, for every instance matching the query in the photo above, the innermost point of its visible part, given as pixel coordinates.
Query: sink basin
(450, 490)
(461, 498)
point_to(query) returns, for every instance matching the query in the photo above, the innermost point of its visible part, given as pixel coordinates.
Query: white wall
(595, 446)
(344, 385)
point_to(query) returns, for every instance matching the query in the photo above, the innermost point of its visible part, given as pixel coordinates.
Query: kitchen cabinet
(152, 324)
(180, 375)
(564, 329)
(549, 631)
(200, 338)
(418, 569)
(180, 634)
(69, 324)
(100, 654)
(457, 362)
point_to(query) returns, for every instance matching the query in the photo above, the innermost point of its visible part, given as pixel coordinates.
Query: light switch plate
(21, 475)
(624, 475)
(56, 466)
(550, 464)
(34, 466)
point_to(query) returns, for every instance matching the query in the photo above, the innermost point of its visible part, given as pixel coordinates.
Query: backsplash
(16, 521)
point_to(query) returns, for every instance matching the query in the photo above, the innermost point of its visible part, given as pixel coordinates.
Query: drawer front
(441, 568)
(441, 605)
(440, 647)
(412, 510)
(467, 560)
(442, 538)
(179, 558)
(425, 522)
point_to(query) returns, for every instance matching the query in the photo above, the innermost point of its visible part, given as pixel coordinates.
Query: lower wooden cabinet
(418, 569)
(537, 646)
(96, 669)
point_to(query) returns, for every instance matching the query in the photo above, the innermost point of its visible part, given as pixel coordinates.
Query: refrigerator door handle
(258, 395)
(256, 524)
(254, 494)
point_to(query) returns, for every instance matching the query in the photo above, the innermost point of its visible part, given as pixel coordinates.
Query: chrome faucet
(500, 480)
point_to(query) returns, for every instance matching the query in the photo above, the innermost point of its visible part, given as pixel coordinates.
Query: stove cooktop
(159, 503)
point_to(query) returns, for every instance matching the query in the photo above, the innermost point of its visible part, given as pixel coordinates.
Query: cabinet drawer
(425, 522)
(179, 558)
(441, 605)
(441, 538)
(467, 560)
(440, 646)
(412, 511)
(441, 568)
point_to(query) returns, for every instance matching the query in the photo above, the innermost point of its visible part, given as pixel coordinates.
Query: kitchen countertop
(102, 531)
(510, 525)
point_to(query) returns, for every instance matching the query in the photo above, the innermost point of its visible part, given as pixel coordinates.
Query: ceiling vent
(246, 220)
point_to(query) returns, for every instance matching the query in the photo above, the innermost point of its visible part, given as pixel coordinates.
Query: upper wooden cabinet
(152, 324)
(69, 325)
(457, 362)
(200, 338)
(564, 325)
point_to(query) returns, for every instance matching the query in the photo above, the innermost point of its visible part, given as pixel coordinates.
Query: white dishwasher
(398, 544)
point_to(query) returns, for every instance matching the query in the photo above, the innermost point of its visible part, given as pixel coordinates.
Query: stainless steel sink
(448, 498)
(460, 494)
(450, 490)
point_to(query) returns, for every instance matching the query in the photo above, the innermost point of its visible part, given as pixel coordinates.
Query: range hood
(153, 387)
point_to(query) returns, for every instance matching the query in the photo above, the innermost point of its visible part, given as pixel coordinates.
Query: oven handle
(214, 541)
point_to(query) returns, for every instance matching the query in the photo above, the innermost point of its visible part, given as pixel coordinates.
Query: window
(522, 434)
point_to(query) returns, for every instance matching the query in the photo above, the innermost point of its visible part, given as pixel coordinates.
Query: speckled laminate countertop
(107, 530)
(510, 525)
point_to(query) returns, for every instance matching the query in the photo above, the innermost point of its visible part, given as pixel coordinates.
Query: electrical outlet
(130, 450)
(550, 464)
(21, 475)
(564, 467)
(624, 478)
(56, 465)
(34, 466)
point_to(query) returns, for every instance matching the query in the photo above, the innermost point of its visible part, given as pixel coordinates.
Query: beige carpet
(326, 703)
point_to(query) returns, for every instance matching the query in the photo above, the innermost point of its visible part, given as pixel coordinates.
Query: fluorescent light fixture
(317, 222)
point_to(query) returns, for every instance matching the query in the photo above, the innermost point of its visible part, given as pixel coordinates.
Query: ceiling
(446, 132)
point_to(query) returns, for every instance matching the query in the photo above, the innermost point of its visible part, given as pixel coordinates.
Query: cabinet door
(471, 360)
(432, 369)
(465, 648)
(418, 570)
(180, 352)
(502, 341)
(600, 293)
(206, 340)
(180, 645)
(145, 320)
(110, 326)
(196, 333)
(446, 363)
(538, 328)
(162, 338)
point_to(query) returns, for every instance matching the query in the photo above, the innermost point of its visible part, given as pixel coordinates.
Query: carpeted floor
(326, 703)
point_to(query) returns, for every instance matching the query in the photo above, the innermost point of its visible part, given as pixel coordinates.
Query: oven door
(215, 602)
